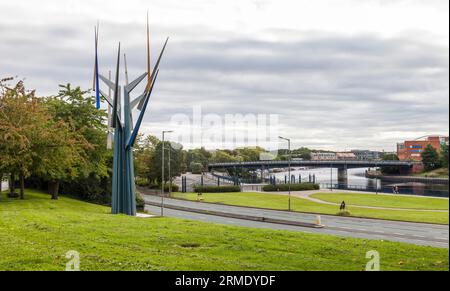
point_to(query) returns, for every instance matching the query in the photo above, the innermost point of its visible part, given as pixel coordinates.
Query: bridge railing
(315, 163)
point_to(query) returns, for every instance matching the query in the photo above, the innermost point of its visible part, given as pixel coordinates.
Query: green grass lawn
(275, 201)
(390, 201)
(36, 233)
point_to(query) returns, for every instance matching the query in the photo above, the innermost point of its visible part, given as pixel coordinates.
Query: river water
(358, 181)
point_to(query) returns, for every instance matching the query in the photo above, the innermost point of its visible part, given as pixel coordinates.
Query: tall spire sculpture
(125, 134)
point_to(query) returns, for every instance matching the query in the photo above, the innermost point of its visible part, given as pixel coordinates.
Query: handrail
(321, 162)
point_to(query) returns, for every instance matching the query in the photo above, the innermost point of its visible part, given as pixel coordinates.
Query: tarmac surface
(408, 232)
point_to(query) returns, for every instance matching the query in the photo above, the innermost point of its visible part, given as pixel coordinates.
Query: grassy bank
(390, 201)
(438, 173)
(36, 233)
(275, 201)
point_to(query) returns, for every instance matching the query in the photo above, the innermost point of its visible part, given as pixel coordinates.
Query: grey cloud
(329, 90)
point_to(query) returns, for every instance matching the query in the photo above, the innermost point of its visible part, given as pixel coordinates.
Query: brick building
(346, 156)
(412, 149)
(323, 156)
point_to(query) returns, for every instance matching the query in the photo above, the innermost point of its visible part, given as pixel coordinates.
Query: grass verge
(275, 201)
(36, 233)
(382, 200)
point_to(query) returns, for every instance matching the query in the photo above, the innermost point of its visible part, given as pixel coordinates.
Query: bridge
(341, 165)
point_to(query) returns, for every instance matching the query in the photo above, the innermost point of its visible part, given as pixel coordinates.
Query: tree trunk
(53, 189)
(12, 185)
(22, 186)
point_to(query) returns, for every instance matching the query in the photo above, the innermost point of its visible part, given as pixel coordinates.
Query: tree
(222, 156)
(23, 120)
(430, 158)
(196, 168)
(444, 156)
(144, 150)
(86, 147)
(393, 170)
(303, 153)
(156, 162)
(61, 152)
(33, 141)
(249, 154)
(201, 156)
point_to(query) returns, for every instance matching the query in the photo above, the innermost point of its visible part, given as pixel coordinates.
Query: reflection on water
(357, 180)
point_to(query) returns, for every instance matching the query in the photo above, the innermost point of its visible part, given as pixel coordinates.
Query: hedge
(294, 187)
(215, 189)
(175, 187)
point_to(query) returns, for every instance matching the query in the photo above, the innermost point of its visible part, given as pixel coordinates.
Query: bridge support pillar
(343, 177)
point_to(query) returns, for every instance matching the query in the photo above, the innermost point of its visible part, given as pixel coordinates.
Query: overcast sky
(341, 74)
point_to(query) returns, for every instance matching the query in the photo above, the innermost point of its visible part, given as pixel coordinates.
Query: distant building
(413, 149)
(347, 156)
(297, 159)
(323, 156)
(366, 155)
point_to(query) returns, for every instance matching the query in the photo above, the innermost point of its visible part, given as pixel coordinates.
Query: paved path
(307, 195)
(414, 233)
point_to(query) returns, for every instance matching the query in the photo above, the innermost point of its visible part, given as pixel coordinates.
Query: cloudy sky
(341, 74)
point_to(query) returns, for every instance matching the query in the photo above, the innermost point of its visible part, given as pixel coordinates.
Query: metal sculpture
(125, 134)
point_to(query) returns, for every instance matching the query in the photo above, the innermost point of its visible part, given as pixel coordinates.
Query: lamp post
(170, 172)
(376, 178)
(331, 177)
(289, 164)
(163, 183)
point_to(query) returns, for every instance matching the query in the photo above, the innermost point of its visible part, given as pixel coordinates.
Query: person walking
(343, 206)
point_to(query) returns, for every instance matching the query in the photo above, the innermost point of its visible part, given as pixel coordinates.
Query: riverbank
(407, 179)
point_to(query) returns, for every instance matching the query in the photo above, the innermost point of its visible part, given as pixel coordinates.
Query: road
(407, 232)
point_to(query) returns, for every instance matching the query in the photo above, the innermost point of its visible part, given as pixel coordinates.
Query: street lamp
(163, 183)
(170, 170)
(289, 164)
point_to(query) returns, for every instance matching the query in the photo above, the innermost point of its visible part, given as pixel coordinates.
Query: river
(358, 181)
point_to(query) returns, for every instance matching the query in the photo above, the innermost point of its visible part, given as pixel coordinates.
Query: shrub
(142, 182)
(175, 188)
(140, 202)
(216, 189)
(196, 168)
(13, 195)
(294, 187)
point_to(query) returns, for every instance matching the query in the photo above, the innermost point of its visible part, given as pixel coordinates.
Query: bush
(140, 202)
(142, 182)
(175, 188)
(196, 168)
(215, 189)
(13, 195)
(294, 187)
